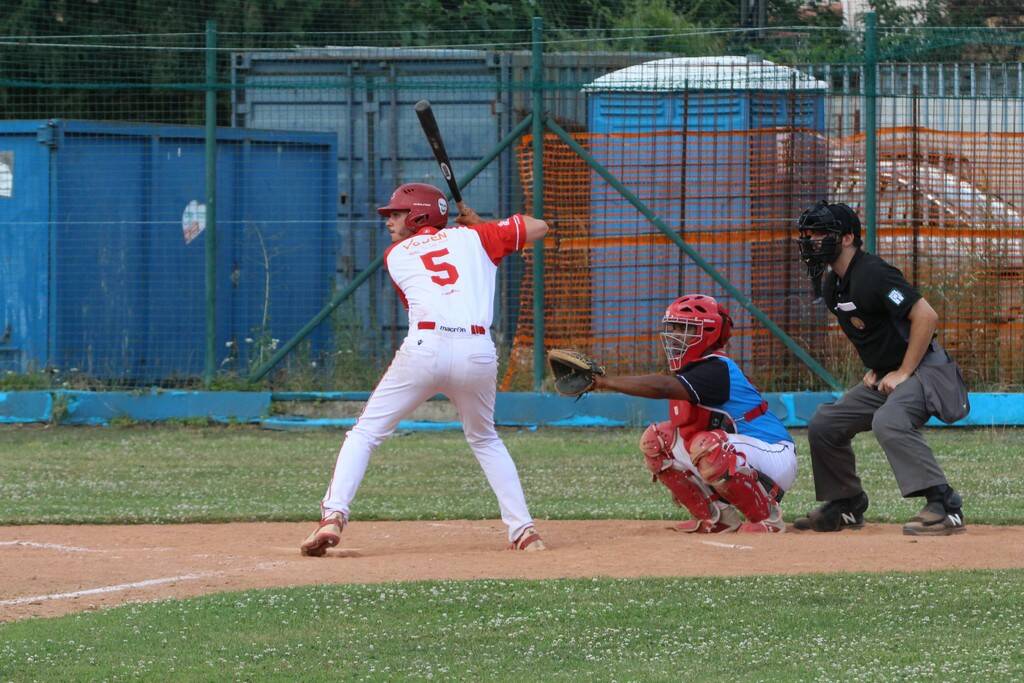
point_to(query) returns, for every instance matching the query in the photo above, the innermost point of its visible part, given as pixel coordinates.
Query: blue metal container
(102, 267)
(698, 140)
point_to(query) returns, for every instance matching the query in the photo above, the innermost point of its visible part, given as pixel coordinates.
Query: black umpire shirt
(871, 303)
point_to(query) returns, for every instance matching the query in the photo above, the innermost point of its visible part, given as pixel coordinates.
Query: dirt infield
(55, 570)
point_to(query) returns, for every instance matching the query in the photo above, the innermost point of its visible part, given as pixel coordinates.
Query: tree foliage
(50, 48)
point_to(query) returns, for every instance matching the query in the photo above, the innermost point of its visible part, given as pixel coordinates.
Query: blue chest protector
(744, 398)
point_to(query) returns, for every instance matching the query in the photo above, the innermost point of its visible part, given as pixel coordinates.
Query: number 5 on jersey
(431, 263)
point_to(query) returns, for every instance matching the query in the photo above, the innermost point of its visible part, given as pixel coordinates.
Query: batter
(445, 277)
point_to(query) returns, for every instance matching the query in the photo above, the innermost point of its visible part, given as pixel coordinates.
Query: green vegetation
(28, 381)
(192, 473)
(49, 42)
(923, 627)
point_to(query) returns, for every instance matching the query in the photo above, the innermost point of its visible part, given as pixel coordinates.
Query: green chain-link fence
(110, 277)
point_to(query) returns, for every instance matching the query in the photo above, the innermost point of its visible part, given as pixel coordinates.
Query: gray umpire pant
(896, 421)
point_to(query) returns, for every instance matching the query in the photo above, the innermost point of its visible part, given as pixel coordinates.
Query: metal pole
(537, 81)
(704, 265)
(916, 219)
(870, 130)
(338, 298)
(211, 203)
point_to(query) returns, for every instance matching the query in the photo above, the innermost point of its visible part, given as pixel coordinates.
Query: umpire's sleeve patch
(896, 296)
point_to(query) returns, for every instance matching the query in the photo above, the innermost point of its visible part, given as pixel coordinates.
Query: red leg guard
(727, 473)
(688, 492)
(656, 444)
(686, 488)
(712, 454)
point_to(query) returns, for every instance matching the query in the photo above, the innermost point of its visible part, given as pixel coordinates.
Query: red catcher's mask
(695, 325)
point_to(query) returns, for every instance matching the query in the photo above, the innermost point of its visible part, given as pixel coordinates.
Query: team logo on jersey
(442, 205)
(896, 296)
(857, 322)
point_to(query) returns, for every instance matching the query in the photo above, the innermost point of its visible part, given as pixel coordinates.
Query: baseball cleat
(772, 525)
(835, 515)
(728, 520)
(690, 526)
(326, 535)
(529, 541)
(935, 520)
(764, 527)
(703, 526)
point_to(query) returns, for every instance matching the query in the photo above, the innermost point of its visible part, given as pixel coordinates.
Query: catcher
(721, 454)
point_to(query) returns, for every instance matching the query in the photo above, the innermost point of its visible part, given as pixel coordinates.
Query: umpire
(909, 378)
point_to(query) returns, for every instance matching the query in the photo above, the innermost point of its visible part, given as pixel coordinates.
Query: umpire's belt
(457, 329)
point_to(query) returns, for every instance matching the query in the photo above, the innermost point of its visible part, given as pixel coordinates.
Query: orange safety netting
(947, 217)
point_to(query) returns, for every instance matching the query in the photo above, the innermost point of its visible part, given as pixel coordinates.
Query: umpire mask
(818, 253)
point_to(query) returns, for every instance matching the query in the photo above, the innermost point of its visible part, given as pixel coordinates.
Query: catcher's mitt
(574, 372)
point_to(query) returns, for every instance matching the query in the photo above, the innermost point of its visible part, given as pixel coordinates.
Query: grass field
(188, 474)
(948, 626)
(926, 627)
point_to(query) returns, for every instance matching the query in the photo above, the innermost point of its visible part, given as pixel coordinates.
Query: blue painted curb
(98, 408)
(991, 410)
(25, 407)
(512, 409)
(300, 423)
(154, 405)
(331, 396)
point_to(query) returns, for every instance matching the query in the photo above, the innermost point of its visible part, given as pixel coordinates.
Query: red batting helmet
(694, 325)
(425, 203)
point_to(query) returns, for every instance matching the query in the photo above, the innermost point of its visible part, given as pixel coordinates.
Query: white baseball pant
(463, 367)
(777, 460)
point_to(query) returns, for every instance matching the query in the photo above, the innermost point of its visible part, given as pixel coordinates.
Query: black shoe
(938, 518)
(836, 515)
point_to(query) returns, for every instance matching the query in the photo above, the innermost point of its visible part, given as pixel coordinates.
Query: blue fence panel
(126, 286)
(24, 248)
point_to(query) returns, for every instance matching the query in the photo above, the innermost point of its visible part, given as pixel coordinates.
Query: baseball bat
(433, 133)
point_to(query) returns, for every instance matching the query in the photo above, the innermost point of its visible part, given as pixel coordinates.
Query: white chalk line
(731, 546)
(107, 589)
(51, 546)
(442, 525)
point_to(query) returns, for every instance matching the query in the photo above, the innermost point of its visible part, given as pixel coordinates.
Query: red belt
(427, 325)
(756, 412)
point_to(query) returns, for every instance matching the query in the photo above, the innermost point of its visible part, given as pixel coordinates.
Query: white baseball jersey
(447, 276)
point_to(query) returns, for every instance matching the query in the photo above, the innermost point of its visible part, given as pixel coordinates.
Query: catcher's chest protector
(691, 418)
